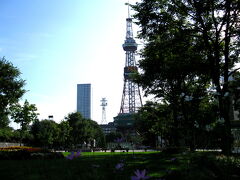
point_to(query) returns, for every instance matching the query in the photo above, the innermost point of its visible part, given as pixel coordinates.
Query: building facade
(84, 100)
(108, 128)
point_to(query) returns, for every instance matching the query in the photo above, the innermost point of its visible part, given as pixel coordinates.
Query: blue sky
(58, 44)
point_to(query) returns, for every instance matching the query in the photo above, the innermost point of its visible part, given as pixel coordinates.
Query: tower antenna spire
(128, 10)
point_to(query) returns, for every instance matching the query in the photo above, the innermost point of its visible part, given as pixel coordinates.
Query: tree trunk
(175, 134)
(226, 113)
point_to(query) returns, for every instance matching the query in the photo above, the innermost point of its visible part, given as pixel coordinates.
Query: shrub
(24, 152)
(49, 155)
(14, 155)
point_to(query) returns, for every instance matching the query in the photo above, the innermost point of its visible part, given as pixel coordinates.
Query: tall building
(84, 100)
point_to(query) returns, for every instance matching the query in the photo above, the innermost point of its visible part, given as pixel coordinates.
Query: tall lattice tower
(104, 104)
(131, 98)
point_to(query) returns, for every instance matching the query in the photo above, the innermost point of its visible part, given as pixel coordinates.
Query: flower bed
(24, 152)
(21, 148)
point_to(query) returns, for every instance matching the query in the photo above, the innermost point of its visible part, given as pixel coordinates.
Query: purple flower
(119, 166)
(70, 156)
(173, 159)
(73, 155)
(77, 154)
(140, 175)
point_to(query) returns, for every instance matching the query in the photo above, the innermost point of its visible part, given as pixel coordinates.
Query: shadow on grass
(103, 166)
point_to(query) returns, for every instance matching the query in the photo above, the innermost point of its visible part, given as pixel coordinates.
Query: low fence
(123, 145)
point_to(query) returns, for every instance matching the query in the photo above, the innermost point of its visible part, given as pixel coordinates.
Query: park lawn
(101, 165)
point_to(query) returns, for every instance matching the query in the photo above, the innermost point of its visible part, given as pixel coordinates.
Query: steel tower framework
(131, 98)
(104, 104)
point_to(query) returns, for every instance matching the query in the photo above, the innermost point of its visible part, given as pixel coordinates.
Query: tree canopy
(24, 115)
(189, 45)
(11, 89)
(84, 130)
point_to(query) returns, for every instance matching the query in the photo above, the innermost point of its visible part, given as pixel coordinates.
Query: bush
(112, 150)
(25, 154)
(205, 166)
(14, 155)
(49, 155)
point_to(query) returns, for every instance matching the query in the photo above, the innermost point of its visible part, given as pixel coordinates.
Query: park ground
(122, 165)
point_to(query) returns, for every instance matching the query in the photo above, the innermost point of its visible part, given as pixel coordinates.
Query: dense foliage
(73, 132)
(190, 47)
(84, 131)
(11, 89)
(24, 115)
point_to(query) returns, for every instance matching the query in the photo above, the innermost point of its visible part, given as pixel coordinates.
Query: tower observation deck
(131, 98)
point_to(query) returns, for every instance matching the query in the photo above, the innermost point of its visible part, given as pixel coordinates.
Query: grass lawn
(101, 165)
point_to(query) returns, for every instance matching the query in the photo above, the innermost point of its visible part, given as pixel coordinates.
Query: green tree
(46, 133)
(196, 116)
(96, 134)
(167, 71)
(76, 122)
(84, 130)
(202, 35)
(73, 118)
(112, 136)
(234, 92)
(64, 134)
(6, 134)
(34, 130)
(11, 89)
(24, 115)
(154, 120)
